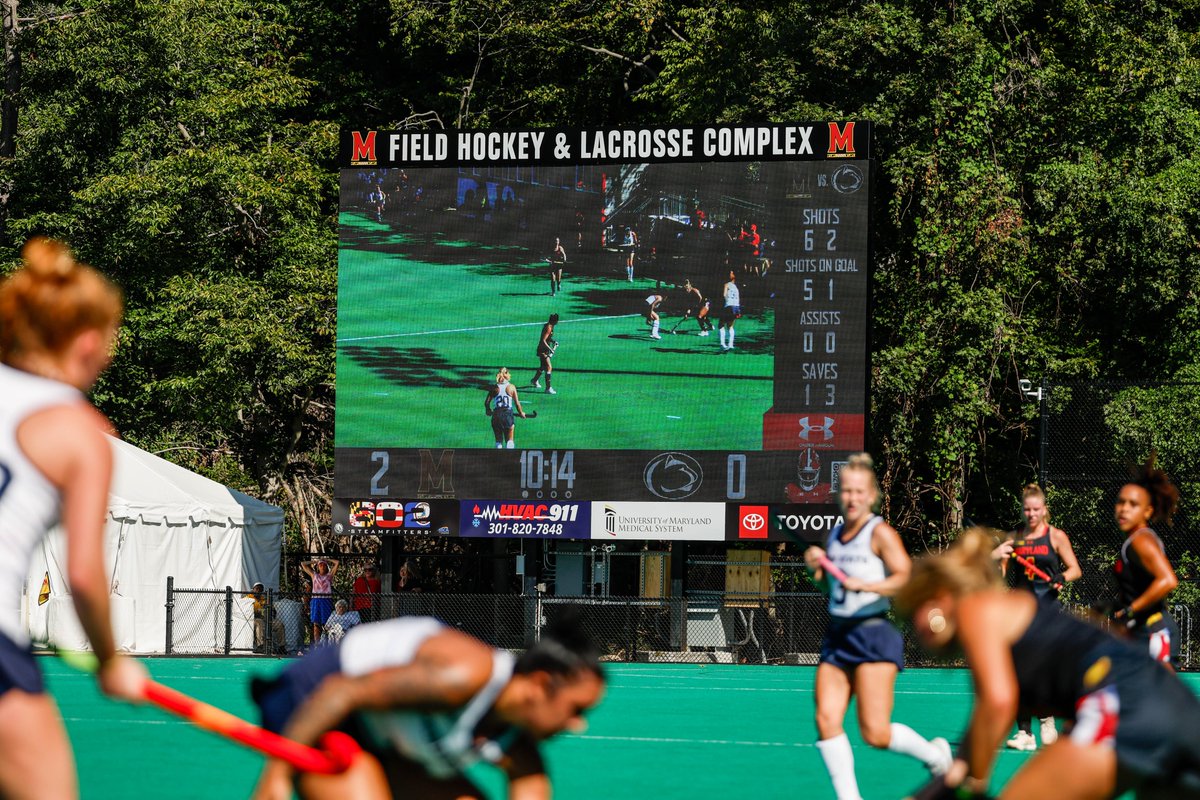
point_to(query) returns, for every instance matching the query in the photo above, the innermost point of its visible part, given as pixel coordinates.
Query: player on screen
(558, 257)
(499, 404)
(1133, 726)
(730, 312)
(862, 651)
(629, 246)
(1143, 573)
(651, 311)
(694, 306)
(545, 351)
(58, 325)
(426, 702)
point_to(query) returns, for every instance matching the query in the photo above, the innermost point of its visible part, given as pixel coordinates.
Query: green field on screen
(673, 732)
(424, 323)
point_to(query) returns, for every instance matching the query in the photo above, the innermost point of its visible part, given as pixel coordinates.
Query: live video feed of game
(552, 319)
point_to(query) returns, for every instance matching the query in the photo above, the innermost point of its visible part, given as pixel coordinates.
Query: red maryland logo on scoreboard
(362, 148)
(823, 431)
(841, 141)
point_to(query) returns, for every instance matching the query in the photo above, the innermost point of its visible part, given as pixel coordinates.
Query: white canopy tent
(163, 520)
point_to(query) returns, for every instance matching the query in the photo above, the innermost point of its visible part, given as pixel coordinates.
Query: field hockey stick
(337, 749)
(832, 568)
(1033, 568)
(530, 414)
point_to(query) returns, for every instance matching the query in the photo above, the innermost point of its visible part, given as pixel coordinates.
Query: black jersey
(1059, 660)
(1040, 551)
(1133, 579)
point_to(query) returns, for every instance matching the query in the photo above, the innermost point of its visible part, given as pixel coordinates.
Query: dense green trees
(1036, 214)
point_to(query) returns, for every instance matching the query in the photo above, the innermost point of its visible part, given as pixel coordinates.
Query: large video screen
(679, 315)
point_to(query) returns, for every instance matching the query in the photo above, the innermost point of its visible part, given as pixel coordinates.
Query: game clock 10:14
(650, 475)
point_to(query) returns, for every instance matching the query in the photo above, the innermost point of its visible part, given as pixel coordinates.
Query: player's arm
(423, 685)
(1066, 554)
(981, 625)
(487, 401)
(512, 392)
(527, 778)
(812, 560)
(886, 544)
(1165, 581)
(67, 446)
(546, 338)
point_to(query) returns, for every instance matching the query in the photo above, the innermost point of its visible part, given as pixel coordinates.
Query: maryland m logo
(362, 150)
(841, 141)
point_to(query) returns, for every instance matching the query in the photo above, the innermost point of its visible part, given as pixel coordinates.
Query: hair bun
(48, 259)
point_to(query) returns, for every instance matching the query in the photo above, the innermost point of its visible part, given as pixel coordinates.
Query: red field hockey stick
(337, 749)
(832, 568)
(1041, 573)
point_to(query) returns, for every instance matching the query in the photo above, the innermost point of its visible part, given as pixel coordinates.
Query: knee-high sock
(908, 742)
(839, 761)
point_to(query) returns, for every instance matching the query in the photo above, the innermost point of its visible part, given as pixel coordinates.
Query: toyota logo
(673, 476)
(754, 522)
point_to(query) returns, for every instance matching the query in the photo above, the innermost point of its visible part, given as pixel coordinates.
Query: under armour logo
(806, 429)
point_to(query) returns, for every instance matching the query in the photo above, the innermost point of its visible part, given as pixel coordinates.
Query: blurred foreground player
(1132, 726)
(427, 701)
(862, 651)
(58, 323)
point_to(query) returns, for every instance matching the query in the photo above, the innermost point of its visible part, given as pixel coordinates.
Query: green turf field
(425, 321)
(675, 732)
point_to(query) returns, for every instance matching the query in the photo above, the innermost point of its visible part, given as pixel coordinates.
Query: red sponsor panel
(793, 431)
(754, 522)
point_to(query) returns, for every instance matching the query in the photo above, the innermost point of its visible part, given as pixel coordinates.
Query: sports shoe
(550, 391)
(704, 333)
(1049, 732)
(655, 336)
(1022, 741)
(945, 757)
(535, 384)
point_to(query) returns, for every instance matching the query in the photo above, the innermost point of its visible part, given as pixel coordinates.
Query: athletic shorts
(730, 313)
(871, 640)
(279, 697)
(319, 609)
(18, 668)
(502, 422)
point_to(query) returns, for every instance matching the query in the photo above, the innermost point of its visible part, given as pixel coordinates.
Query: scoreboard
(710, 315)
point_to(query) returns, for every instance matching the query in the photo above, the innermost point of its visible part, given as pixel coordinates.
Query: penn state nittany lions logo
(673, 476)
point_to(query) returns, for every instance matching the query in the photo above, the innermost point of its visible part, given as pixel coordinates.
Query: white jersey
(29, 504)
(502, 400)
(444, 743)
(652, 299)
(733, 297)
(857, 560)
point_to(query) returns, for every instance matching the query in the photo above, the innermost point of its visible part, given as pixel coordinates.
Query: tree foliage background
(1037, 184)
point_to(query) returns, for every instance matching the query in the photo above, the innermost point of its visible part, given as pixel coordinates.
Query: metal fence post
(268, 625)
(170, 613)
(1043, 390)
(228, 619)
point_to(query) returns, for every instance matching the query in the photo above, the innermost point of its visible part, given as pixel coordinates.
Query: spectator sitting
(340, 621)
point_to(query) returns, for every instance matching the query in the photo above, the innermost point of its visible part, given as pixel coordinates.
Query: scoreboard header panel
(680, 314)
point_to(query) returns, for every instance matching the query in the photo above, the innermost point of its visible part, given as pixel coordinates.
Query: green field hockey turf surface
(675, 732)
(425, 321)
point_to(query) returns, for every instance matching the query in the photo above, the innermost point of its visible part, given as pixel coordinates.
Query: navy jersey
(1133, 578)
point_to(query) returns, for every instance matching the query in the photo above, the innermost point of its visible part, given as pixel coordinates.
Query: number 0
(735, 483)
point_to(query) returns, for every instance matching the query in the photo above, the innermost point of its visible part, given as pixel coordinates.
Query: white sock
(722, 332)
(908, 742)
(839, 761)
(510, 444)
(654, 328)
(731, 338)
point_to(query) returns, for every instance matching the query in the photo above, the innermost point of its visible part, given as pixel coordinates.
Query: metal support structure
(228, 619)
(170, 613)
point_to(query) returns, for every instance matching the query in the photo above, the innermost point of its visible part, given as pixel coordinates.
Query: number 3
(5, 478)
